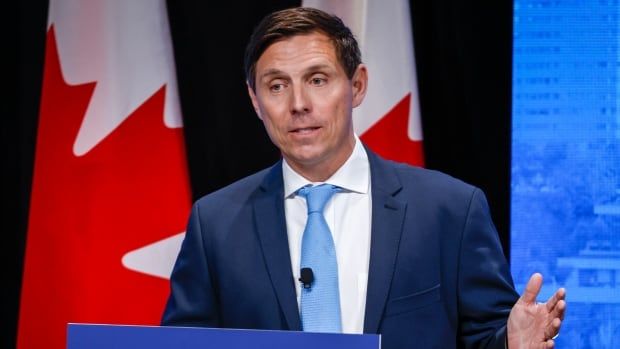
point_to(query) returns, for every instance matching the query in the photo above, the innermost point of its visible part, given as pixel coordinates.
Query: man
(409, 253)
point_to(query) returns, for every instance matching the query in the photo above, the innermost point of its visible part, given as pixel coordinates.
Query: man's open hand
(535, 325)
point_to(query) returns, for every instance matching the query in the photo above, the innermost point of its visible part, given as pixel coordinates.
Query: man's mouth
(304, 130)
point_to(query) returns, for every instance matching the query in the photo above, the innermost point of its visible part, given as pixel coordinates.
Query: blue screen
(565, 187)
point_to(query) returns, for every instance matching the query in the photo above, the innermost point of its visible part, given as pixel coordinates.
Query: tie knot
(317, 196)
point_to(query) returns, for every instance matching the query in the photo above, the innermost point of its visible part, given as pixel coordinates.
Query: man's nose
(300, 101)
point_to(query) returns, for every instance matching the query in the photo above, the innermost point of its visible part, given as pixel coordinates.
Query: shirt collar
(353, 175)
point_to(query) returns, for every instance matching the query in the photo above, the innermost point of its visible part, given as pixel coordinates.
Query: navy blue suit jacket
(437, 275)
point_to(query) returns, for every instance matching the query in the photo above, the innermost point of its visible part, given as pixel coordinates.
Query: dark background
(463, 56)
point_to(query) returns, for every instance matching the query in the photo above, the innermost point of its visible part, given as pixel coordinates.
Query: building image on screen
(565, 186)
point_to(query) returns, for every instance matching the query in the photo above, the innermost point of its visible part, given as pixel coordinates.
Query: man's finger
(553, 329)
(549, 344)
(553, 300)
(559, 310)
(532, 289)
(556, 324)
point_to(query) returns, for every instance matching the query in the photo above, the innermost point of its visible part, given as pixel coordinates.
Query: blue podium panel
(82, 336)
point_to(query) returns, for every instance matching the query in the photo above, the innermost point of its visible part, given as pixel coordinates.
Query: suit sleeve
(192, 300)
(486, 291)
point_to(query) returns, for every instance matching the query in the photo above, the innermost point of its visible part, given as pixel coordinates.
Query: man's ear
(359, 83)
(254, 100)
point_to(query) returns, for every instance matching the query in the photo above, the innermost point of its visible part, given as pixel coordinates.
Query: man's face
(305, 100)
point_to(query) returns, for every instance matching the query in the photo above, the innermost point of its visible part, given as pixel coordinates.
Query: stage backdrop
(463, 60)
(566, 161)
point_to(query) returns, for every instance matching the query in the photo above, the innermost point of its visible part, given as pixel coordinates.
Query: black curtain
(463, 57)
(23, 27)
(464, 61)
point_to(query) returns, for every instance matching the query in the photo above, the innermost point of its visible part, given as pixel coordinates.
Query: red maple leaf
(87, 211)
(388, 137)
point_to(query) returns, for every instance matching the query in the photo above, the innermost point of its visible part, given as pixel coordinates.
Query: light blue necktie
(320, 303)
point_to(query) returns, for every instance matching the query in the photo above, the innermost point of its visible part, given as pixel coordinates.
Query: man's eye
(276, 87)
(318, 81)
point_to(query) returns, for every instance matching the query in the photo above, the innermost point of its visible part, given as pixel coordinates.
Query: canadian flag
(110, 195)
(388, 120)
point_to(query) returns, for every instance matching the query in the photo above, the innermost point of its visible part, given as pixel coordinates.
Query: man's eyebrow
(311, 69)
(316, 67)
(271, 72)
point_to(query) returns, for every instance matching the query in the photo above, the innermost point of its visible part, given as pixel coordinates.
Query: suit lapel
(271, 227)
(387, 224)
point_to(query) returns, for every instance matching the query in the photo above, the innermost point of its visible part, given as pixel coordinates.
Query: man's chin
(305, 161)
(305, 158)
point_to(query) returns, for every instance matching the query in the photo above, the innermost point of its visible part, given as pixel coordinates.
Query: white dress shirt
(348, 215)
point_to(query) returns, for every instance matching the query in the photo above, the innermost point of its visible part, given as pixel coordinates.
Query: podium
(92, 336)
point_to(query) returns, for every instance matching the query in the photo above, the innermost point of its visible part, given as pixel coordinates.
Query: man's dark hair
(284, 24)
